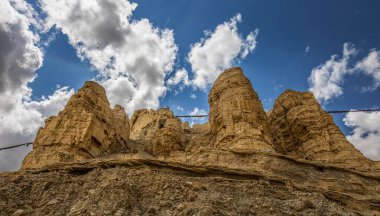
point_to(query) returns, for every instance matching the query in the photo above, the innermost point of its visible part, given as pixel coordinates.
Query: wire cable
(15, 146)
(203, 116)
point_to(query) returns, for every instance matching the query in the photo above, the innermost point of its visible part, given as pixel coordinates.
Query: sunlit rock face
(154, 164)
(86, 128)
(301, 128)
(296, 126)
(160, 129)
(237, 119)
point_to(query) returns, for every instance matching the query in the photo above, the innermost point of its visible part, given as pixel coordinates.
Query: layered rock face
(297, 126)
(86, 128)
(160, 129)
(241, 162)
(237, 119)
(301, 128)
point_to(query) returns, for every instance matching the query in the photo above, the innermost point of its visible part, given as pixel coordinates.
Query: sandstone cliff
(301, 128)
(86, 128)
(237, 118)
(92, 160)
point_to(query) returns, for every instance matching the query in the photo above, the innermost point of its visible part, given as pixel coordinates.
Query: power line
(331, 111)
(347, 111)
(191, 116)
(202, 116)
(15, 146)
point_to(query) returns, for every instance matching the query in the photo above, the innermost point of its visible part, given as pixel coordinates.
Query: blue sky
(279, 62)
(294, 39)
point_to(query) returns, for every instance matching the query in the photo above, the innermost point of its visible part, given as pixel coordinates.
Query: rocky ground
(148, 188)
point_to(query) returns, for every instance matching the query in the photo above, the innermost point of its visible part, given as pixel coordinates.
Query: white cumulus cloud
(197, 111)
(51, 105)
(20, 116)
(181, 76)
(366, 133)
(132, 56)
(325, 80)
(370, 66)
(218, 51)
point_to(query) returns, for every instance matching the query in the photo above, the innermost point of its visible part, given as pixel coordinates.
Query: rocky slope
(92, 160)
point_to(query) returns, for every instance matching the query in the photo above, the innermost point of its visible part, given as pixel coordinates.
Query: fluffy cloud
(19, 56)
(370, 66)
(325, 80)
(132, 56)
(219, 50)
(366, 133)
(20, 117)
(51, 105)
(181, 76)
(197, 111)
(21, 123)
(18, 60)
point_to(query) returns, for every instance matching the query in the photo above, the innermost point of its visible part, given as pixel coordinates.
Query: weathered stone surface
(86, 128)
(211, 183)
(228, 166)
(201, 128)
(237, 118)
(198, 138)
(301, 128)
(160, 129)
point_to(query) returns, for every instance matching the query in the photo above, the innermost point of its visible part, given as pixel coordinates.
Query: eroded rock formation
(241, 162)
(160, 129)
(296, 126)
(301, 128)
(86, 128)
(237, 118)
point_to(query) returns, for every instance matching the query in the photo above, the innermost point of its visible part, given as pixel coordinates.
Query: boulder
(237, 119)
(86, 128)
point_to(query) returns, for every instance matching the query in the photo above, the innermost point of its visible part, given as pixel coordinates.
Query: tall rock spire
(237, 119)
(86, 128)
(301, 128)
